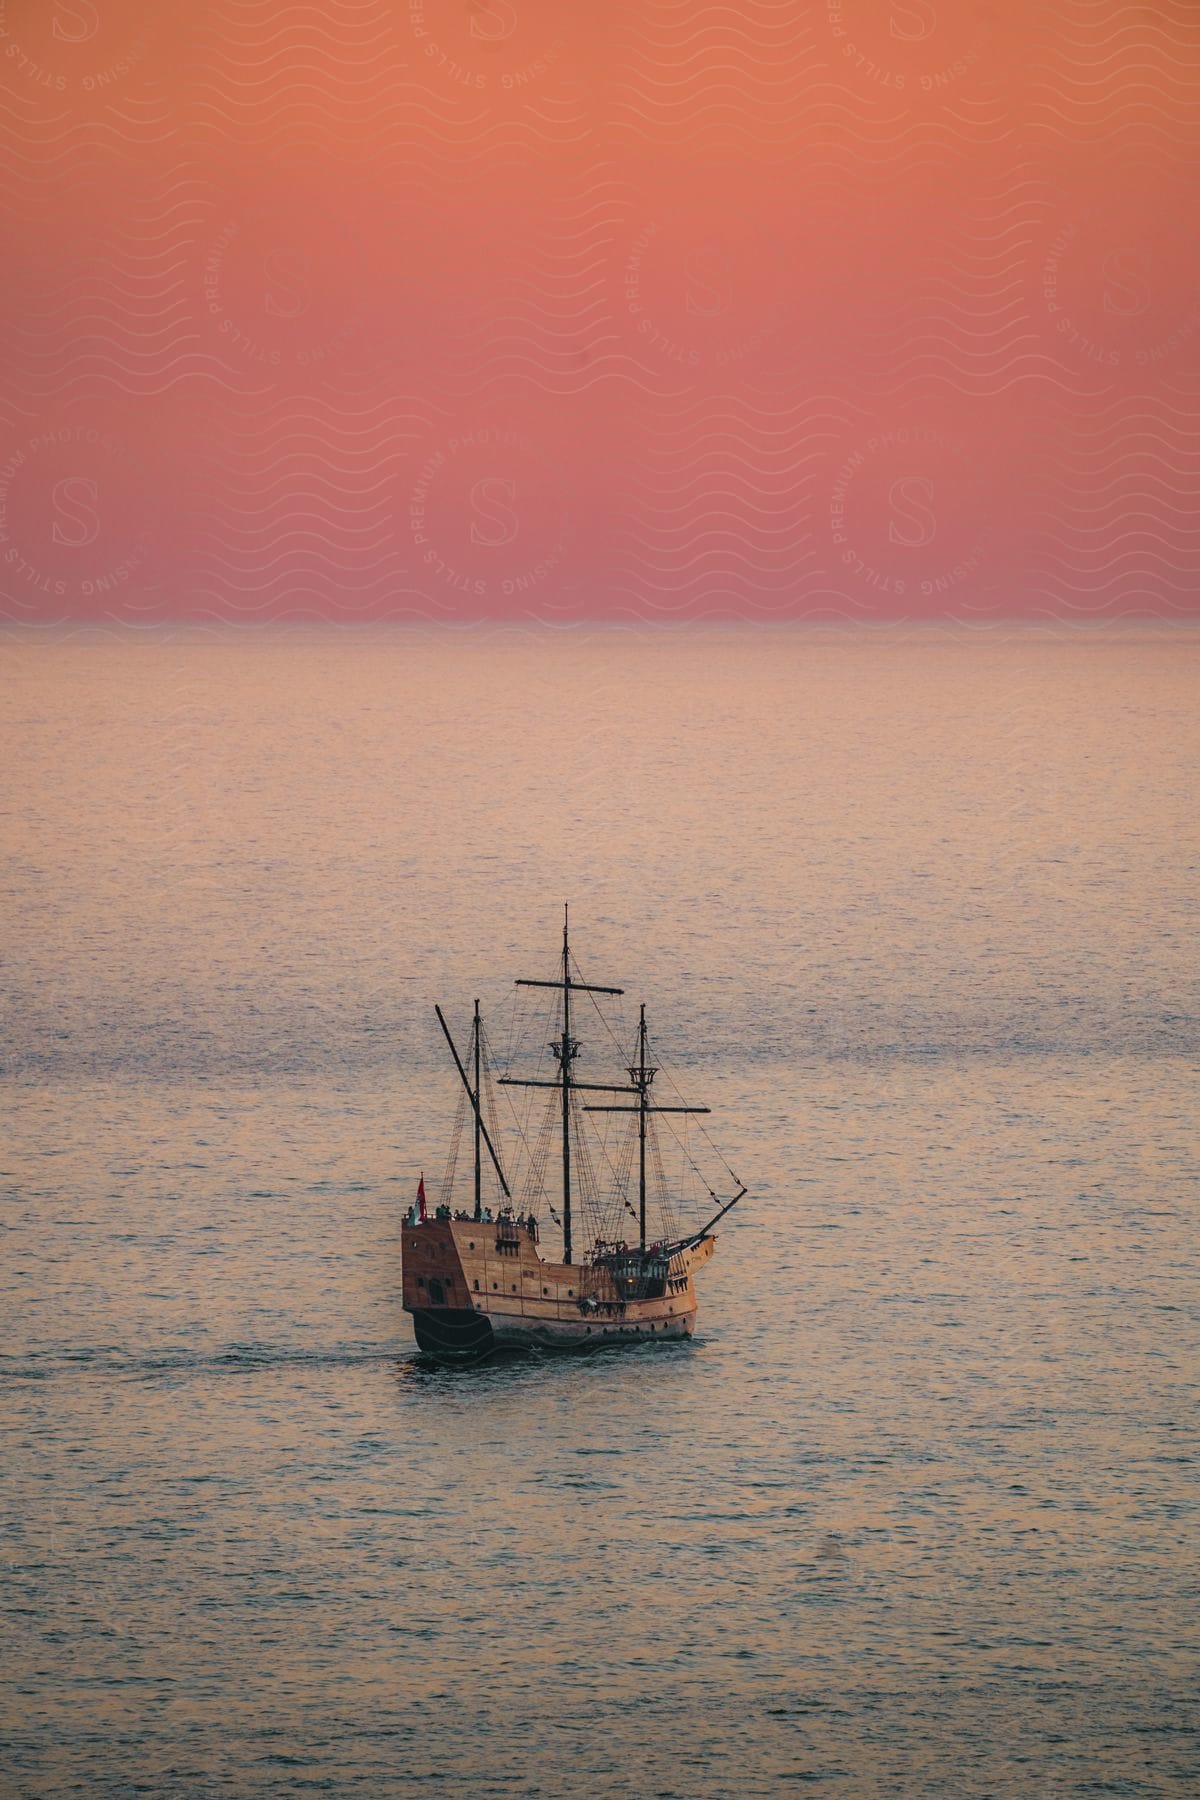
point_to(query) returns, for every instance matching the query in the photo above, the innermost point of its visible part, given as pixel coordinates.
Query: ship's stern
(435, 1292)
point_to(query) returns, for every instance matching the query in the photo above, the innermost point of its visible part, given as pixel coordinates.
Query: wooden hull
(474, 1288)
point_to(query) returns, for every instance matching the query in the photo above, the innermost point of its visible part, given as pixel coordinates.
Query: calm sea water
(915, 1513)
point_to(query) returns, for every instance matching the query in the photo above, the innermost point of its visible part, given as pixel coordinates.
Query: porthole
(545, 1290)
(471, 1244)
(495, 1285)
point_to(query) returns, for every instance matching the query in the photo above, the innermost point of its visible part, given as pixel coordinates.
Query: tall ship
(557, 1160)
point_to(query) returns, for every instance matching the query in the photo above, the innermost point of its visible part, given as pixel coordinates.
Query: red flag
(421, 1197)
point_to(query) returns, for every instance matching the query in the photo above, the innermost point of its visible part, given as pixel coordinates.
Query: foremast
(477, 1108)
(475, 1096)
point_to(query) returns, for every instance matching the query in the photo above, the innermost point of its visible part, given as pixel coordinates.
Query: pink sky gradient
(860, 311)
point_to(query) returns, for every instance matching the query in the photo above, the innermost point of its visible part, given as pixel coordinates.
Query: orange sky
(373, 309)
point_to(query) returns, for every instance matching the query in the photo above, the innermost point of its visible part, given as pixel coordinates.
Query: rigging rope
(665, 1204)
(456, 1131)
(678, 1095)
(491, 1117)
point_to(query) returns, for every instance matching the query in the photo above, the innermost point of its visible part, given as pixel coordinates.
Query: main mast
(642, 1076)
(566, 1049)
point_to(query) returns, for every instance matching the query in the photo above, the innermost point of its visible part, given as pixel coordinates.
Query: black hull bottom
(459, 1334)
(453, 1333)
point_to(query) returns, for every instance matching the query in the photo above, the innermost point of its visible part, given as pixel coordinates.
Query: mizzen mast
(641, 1074)
(568, 1050)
